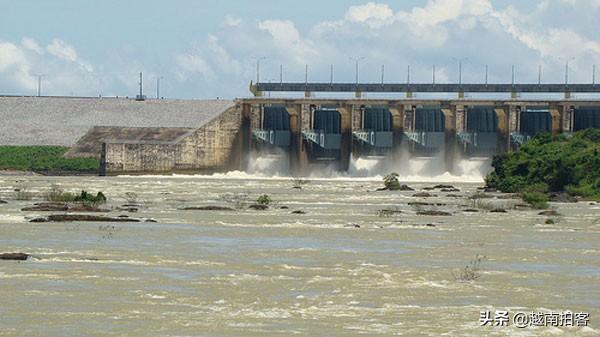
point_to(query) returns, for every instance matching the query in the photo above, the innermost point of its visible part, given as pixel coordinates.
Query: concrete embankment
(63, 121)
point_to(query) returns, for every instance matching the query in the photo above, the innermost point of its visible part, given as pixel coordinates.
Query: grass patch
(44, 159)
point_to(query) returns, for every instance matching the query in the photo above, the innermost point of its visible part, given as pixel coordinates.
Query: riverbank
(44, 160)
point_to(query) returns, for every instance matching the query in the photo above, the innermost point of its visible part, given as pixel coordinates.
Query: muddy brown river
(343, 268)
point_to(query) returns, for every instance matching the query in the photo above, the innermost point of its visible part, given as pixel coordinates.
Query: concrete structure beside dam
(157, 136)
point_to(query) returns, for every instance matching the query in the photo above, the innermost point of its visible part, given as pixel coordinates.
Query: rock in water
(258, 207)
(208, 208)
(423, 195)
(434, 213)
(81, 217)
(499, 210)
(550, 213)
(3, 202)
(14, 256)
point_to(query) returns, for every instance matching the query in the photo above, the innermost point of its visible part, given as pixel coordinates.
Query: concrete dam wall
(63, 121)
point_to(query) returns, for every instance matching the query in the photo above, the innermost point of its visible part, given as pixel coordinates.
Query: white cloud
(31, 44)
(231, 21)
(65, 51)
(372, 14)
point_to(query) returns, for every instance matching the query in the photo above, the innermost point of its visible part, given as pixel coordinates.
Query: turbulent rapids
(332, 257)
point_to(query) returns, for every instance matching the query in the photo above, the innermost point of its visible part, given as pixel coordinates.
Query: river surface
(274, 273)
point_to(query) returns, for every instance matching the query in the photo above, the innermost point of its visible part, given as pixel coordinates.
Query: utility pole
(158, 78)
(39, 89)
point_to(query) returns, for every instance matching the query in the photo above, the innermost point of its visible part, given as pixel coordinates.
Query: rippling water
(273, 273)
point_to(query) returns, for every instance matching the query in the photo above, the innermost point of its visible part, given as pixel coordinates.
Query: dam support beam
(397, 112)
(346, 129)
(557, 112)
(298, 155)
(503, 134)
(242, 157)
(450, 139)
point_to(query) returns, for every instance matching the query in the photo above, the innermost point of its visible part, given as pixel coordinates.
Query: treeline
(548, 163)
(44, 159)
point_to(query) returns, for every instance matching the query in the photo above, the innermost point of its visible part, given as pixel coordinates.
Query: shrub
(471, 271)
(536, 199)
(391, 181)
(88, 199)
(264, 200)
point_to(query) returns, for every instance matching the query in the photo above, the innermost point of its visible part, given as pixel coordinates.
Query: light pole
(357, 61)
(460, 61)
(433, 75)
(331, 74)
(158, 78)
(258, 59)
(39, 88)
(486, 74)
(594, 74)
(512, 81)
(567, 60)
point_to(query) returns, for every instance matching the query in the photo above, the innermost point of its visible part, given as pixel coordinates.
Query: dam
(302, 134)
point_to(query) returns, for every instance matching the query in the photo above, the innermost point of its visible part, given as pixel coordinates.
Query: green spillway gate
(428, 132)
(586, 118)
(376, 129)
(327, 130)
(481, 134)
(532, 122)
(275, 128)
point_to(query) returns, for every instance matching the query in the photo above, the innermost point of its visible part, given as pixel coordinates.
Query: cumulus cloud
(30, 44)
(222, 62)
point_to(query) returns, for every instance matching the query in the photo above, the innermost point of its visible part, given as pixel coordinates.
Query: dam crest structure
(314, 132)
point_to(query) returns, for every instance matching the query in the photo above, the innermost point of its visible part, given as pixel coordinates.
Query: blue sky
(205, 49)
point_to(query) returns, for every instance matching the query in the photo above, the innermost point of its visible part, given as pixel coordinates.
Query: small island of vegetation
(551, 164)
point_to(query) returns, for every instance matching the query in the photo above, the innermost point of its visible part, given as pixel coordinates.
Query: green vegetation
(56, 194)
(537, 200)
(391, 181)
(550, 163)
(264, 200)
(44, 159)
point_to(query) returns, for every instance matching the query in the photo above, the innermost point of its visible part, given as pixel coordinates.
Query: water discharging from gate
(413, 169)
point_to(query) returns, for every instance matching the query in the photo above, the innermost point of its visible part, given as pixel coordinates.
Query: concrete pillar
(102, 168)
(450, 141)
(246, 137)
(346, 128)
(503, 134)
(557, 113)
(297, 154)
(397, 112)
